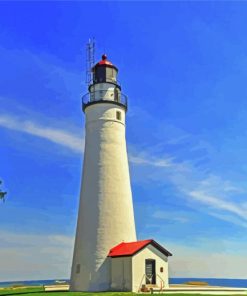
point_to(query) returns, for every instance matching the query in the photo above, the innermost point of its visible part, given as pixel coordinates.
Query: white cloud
(212, 265)
(34, 256)
(219, 203)
(229, 218)
(174, 216)
(70, 140)
(195, 186)
(147, 160)
(216, 182)
(216, 258)
(58, 136)
(187, 178)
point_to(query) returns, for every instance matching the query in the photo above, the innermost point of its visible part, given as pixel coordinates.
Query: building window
(161, 269)
(118, 114)
(78, 268)
(116, 95)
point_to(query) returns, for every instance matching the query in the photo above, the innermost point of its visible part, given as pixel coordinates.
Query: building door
(150, 271)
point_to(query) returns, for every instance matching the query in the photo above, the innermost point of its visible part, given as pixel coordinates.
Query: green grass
(40, 292)
(19, 291)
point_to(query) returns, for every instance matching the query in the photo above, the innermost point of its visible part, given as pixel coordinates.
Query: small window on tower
(78, 268)
(118, 115)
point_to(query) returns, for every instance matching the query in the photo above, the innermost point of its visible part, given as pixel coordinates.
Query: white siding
(121, 274)
(138, 267)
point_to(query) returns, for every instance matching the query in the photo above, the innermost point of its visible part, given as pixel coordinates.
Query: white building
(106, 216)
(138, 264)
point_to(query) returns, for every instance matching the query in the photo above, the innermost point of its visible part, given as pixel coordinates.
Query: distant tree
(2, 193)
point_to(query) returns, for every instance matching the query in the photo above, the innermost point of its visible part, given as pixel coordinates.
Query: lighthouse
(105, 217)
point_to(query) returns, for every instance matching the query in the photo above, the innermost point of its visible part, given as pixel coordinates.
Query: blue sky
(183, 66)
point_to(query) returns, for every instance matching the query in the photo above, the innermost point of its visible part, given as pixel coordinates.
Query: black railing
(102, 96)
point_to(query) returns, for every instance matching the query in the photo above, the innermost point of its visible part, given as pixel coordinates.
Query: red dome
(104, 61)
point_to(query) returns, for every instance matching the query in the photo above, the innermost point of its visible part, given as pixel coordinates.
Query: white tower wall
(106, 215)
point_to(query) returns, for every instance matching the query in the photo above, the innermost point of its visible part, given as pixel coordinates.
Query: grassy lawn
(40, 292)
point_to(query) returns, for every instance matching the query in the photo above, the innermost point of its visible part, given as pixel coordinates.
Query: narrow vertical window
(118, 114)
(78, 268)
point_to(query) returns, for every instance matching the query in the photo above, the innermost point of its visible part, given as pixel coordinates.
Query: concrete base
(56, 288)
(209, 290)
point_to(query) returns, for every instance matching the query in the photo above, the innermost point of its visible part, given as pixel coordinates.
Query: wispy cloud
(185, 176)
(69, 139)
(72, 141)
(34, 256)
(191, 262)
(148, 160)
(229, 218)
(219, 203)
(174, 216)
(58, 136)
(197, 185)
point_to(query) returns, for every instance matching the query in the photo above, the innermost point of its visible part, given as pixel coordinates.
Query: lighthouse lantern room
(104, 84)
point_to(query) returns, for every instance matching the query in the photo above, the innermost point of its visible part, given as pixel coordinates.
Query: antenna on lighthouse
(90, 50)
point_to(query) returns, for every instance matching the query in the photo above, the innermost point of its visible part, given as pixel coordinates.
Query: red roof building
(135, 266)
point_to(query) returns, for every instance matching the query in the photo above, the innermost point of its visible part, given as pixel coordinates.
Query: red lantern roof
(105, 62)
(131, 248)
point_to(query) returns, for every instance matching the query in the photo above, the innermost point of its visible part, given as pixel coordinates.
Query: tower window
(78, 268)
(118, 115)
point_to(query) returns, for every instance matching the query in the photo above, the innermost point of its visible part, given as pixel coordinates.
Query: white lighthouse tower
(106, 215)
